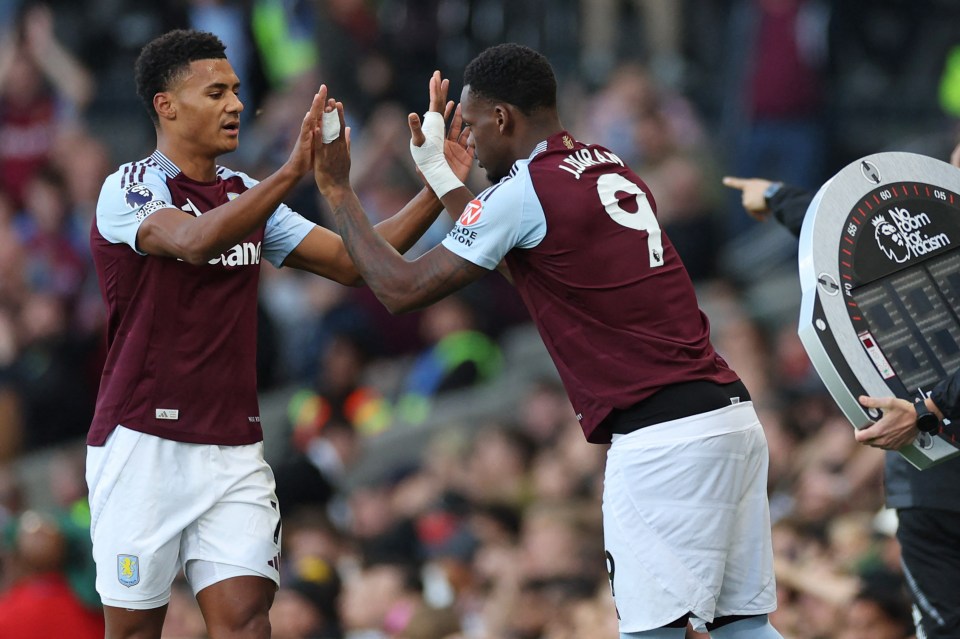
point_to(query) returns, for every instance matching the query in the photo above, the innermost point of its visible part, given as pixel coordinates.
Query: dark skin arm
(399, 284)
(174, 233)
(323, 252)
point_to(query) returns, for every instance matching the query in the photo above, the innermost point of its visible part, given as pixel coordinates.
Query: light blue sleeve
(285, 229)
(125, 203)
(505, 216)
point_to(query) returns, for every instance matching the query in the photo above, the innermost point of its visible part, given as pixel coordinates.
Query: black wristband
(926, 420)
(771, 191)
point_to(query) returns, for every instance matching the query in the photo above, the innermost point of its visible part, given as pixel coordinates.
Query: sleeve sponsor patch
(471, 214)
(150, 207)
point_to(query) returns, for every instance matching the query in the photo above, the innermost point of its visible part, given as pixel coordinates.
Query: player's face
(485, 133)
(208, 107)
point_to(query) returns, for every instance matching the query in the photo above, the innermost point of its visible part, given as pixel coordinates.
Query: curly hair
(163, 59)
(515, 74)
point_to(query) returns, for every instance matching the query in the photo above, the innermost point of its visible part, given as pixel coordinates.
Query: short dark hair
(515, 74)
(165, 57)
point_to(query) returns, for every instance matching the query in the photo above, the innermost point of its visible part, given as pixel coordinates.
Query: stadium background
(448, 423)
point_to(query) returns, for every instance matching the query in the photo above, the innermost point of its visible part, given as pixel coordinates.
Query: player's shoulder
(227, 174)
(567, 162)
(564, 149)
(152, 169)
(511, 186)
(136, 182)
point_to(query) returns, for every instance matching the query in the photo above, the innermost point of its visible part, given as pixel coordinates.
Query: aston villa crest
(128, 570)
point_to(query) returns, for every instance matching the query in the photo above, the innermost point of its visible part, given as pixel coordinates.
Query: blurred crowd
(492, 531)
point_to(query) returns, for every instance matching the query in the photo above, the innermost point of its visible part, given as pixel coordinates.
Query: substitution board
(880, 278)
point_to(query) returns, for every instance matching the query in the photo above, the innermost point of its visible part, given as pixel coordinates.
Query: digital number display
(910, 316)
(901, 271)
(880, 275)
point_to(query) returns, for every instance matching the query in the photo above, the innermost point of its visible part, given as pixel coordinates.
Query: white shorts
(158, 505)
(686, 520)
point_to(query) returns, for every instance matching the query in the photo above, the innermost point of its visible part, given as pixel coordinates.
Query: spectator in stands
(57, 258)
(458, 356)
(40, 604)
(880, 610)
(42, 88)
(385, 599)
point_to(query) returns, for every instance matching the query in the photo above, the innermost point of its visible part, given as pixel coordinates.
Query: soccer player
(175, 456)
(686, 518)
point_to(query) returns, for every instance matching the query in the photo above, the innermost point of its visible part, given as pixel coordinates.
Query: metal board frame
(826, 329)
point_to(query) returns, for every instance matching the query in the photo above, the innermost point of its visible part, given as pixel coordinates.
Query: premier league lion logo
(137, 195)
(890, 240)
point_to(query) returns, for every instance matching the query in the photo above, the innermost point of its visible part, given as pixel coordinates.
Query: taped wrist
(430, 159)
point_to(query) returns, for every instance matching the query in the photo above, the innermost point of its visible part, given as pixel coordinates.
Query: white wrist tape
(430, 159)
(330, 126)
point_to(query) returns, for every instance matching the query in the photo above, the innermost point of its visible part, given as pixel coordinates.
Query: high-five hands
(331, 160)
(301, 157)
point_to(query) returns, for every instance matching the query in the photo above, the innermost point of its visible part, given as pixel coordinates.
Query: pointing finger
(734, 182)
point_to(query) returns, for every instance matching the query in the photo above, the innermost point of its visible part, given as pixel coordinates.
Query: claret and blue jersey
(610, 297)
(181, 338)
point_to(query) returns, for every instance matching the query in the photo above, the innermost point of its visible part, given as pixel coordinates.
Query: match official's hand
(752, 190)
(893, 431)
(301, 158)
(331, 160)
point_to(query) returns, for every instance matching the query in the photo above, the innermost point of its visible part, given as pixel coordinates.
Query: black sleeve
(789, 206)
(946, 395)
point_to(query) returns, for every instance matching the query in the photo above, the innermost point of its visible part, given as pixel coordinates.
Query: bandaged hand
(330, 126)
(430, 159)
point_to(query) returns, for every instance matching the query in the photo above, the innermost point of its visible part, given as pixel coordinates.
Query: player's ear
(504, 116)
(164, 106)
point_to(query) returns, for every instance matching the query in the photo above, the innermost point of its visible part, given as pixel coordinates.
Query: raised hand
(439, 87)
(431, 147)
(301, 158)
(331, 160)
(38, 29)
(456, 146)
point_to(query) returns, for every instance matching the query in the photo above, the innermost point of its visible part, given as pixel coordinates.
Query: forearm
(789, 207)
(7, 56)
(216, 231)
(456, 201)
(404, 228)
(379, 264)
(945, 398)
